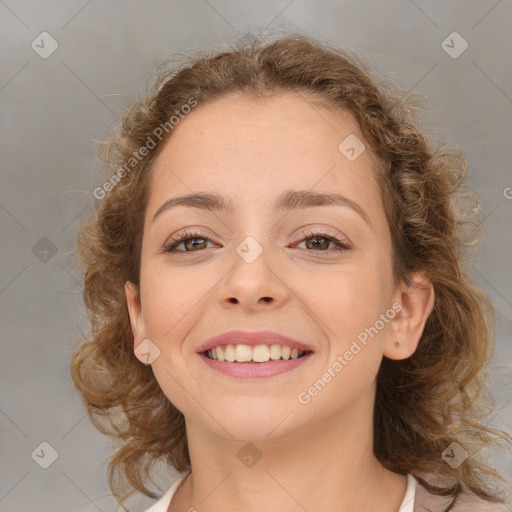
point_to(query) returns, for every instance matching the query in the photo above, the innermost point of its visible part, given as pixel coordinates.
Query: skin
(316, 456)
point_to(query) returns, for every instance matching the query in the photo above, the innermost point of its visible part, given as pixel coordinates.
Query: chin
(255, 422)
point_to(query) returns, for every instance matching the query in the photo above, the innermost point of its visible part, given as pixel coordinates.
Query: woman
(279, 307)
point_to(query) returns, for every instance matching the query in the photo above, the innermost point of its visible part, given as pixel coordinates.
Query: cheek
(346, 301)
(168, 297)
(349, 305)
(171, 300)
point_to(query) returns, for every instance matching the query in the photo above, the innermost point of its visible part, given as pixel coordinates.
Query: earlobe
(406, 329)
(134, 311)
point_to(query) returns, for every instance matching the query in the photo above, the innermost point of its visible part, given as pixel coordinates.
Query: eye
(191, 240)
(194, 241)
(319, 241)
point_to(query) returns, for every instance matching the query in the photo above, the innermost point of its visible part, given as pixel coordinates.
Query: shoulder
(163, 503)
(480, 506)
(427, 502)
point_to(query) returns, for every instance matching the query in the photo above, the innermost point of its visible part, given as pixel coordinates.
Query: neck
(317, 467)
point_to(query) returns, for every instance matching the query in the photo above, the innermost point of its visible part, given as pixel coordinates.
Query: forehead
(286, 120)
(285, 141)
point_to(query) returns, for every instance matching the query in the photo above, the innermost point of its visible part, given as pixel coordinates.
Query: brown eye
(191, 241)
(319, 242)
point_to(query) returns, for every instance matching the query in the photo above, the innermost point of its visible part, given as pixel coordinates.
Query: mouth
(258, 354)
(240, 363)
(253, 354)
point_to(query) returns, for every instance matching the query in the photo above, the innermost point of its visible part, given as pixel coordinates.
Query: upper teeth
(260, 353)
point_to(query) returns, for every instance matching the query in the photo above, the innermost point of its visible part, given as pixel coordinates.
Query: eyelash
(342, 245)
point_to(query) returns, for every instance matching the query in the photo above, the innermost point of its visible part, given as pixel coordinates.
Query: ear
(406, 328)
(135, 312)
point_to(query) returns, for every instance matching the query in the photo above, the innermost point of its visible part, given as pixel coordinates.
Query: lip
(252, 338)
(255, 370)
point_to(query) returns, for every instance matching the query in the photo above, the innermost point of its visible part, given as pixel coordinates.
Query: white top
(163, 503)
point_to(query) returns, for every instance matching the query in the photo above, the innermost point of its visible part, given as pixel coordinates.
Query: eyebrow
(288, 200)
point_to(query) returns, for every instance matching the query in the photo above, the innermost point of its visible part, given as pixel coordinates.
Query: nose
(253, 283)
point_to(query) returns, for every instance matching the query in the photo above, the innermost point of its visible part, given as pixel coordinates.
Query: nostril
(234, 300)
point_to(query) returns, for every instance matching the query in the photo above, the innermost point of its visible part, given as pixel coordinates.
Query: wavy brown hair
(424, 403)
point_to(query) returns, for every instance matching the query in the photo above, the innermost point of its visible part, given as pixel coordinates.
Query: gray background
(53, 110)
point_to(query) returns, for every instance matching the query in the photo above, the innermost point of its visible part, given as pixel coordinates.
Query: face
(319, 273)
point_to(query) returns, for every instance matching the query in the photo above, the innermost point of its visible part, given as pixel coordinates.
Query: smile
(242, 353)
(253, 354)
(250, 368)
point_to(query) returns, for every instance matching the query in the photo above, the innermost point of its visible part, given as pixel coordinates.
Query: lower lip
(255, 370)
